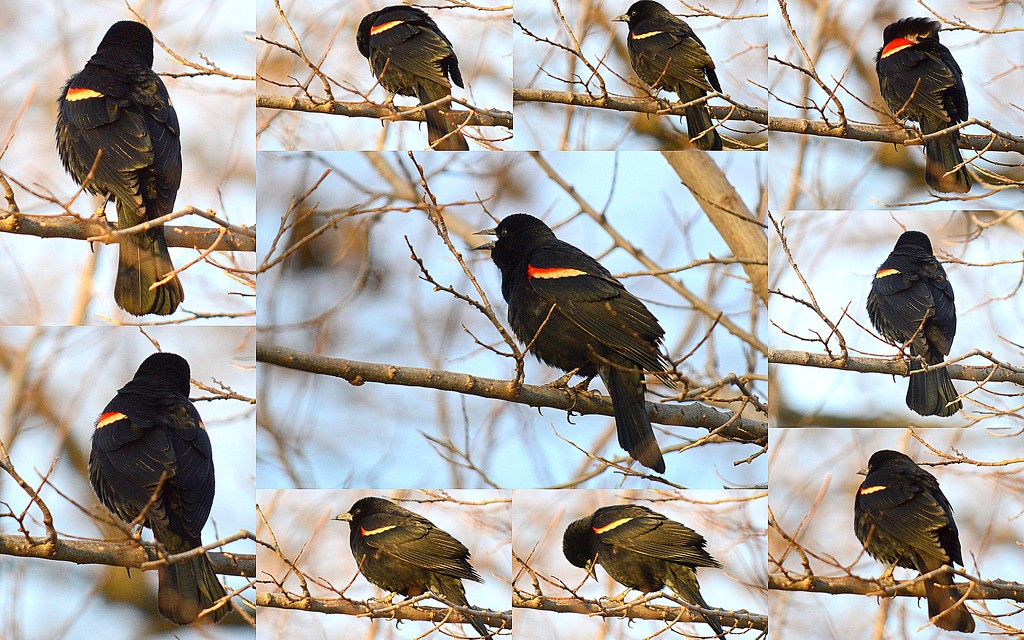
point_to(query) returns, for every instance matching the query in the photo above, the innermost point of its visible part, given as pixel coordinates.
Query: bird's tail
(189, 587)
(453, 591)
(942, 604)
(143, 260)
(942, 157)
(440, 134)
(684, 584)
(632, 423)
(699, 126)
(932, 393)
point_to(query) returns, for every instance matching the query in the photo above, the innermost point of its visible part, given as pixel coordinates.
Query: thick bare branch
(861, 364)
(476, 118)
(495, 619)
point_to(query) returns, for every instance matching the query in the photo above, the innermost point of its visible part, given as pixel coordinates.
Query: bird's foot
(563, 382)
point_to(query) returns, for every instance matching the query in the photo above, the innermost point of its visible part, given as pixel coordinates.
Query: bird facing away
(912, 301)
(151, 461)
(117, 109)
(666, 54)
(577, 317)
(643, 550)
(920, 81)
(403, 552)
(410, 56)
(902, 518)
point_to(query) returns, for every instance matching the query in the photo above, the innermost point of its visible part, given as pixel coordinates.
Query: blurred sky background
(301, 521)
(71, 374)
(838, 253)
(42, 44)
(482, 40)
(732, 522)
(986, 502)
(738, 47)
(843, 37)
(366, 302)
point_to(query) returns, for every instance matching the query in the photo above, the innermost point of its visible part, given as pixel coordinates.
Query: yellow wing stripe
(868, 490)
(641, 36)
(380, 28)
(110, 418)
(609, 527)
(886, 272)
(373, 532)
(80, 93)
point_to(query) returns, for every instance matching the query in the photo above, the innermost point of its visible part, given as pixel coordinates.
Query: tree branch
(476, 117)
(496, 619)
(640, 611)
(861, 364)
(725, 424)
(115, 554)
(993, 590)
(638, 105)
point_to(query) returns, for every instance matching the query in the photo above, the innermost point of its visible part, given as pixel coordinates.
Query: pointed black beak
(487, 246)
(863, 472)
(345, 517)
(623, 18)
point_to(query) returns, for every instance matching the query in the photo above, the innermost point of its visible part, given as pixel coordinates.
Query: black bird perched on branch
(117, 108)
(667, 54)
(902, 518)
(577, 317)
(643, 550)
(920, 81)
(911, 301)
(151, 462)
(403, 552)
(411, 57)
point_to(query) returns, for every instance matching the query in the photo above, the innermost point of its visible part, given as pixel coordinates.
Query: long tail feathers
(189, 587)
(441, 135)
(142, 261)
(942, 157)
(632, 423)
(700, 128)
(932, 393)
(684, 584)
(942, 604)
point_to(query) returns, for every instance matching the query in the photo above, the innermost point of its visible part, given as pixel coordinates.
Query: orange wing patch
(373, 532)
(869, 490)
(553, 272)
(896, 44)
(81, 93)
(609, 527)
(641, 36)
(886, 272)
(110, 418)
(380, 28)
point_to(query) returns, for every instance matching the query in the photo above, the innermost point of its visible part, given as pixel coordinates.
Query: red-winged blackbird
(579, 318)
(912, 301)
(921, 81)
(151, 462)
(667, 54)
(411, 57)
(642, 550)
(403, 552)
(117, 105)
(903, 519)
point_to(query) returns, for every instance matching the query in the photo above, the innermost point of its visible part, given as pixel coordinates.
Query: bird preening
(911, 302)
(410, 56)
(643, 550)
(902, 518)
(579, 318)
(666, 54)
(920, 81)
(151, 462)
(115, 114)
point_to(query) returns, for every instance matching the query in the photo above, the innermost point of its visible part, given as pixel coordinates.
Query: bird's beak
(623, 18)
(863, 472)
(487, 246)
(590, 569)
(345, 517)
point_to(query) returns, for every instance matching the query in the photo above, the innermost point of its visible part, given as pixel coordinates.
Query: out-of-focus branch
(475, 118)
(862, 364)
(992, 590)
(727, 425)
(115, 554)
(639, 611)
(725, 209)
(399, 611)
(73, 227)
(637, 105)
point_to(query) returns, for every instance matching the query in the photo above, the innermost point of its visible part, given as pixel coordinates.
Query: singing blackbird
(410, 56)
(912, 301)
(920, 81)
(666, 54)
(151, 461)
(577, 317)
(902, 518)
(117, 109)
(403, 552)
(643, 550)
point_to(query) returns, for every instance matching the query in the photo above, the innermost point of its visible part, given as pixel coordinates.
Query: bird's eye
(503, 233)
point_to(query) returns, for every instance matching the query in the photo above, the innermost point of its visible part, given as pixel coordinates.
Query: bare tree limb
(568, 604)
(475, 118)
(861, 364)
(994, 590)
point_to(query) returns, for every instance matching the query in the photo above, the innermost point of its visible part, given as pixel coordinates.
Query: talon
(563, 382)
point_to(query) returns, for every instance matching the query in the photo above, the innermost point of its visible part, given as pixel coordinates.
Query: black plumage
(920, 81)
(403, 552)
(667, 54)
(151, 457)
(902, 518)
(410, 56)
(911, 300)
(595, 327)
(643, 550)
(118, 106)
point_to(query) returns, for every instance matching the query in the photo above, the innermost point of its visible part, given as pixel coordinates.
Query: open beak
(487, 246)
(345, 517)
(622, 18)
